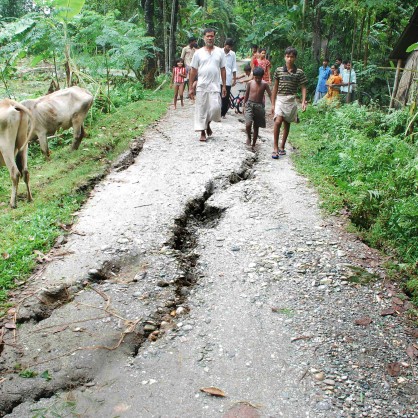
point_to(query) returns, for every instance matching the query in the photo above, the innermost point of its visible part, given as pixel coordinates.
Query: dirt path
(208, 265)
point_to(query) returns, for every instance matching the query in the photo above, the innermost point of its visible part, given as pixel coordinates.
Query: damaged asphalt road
(207, 265)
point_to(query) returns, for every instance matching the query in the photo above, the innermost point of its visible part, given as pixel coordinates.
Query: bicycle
(237, 101)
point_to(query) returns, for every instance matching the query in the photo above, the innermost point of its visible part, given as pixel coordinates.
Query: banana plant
(64, 11)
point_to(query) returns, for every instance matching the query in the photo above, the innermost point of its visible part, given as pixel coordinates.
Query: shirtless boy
(254, 105)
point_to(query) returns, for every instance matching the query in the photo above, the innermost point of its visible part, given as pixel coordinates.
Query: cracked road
(205, 265)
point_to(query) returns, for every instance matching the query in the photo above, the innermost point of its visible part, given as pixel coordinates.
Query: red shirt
(265, 65)
(177, 71)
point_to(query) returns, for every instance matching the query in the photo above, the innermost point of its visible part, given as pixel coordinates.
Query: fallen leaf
(388, 311)
(397, 301)
(10, 325)
(399, 308)
(413, 332)
(213, 391)
(412, 352)
(364, 321)
(5, 256)
(394, 369)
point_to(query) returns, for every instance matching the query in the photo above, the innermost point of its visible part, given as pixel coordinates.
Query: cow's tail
(19, 161)
(24, 109)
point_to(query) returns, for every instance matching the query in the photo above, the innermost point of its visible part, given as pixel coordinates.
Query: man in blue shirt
(321, 88)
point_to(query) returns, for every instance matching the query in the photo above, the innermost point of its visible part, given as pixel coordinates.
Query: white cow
(14, 119)
(62, 109)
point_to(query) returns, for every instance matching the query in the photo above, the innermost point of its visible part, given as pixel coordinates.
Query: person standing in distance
(187, 54)
(208, 64)
(349, 83)
(231, 73)
(323, 75)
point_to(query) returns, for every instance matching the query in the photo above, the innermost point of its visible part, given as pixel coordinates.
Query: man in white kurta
(208, 64)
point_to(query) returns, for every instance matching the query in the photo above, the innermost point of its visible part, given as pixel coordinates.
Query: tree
(14, 8)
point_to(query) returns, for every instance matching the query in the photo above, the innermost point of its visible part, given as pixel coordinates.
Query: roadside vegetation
(365, 166)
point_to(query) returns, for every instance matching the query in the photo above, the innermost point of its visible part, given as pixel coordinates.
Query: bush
(365, 166)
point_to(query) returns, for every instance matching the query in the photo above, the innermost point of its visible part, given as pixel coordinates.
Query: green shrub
(362, 163)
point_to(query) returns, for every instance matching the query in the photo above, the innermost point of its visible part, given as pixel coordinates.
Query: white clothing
(230, 66)
(286, 107)
(207, 109)
(208, 66)
(346, 79)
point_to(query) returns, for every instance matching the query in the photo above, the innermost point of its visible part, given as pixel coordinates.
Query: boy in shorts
(254, 110)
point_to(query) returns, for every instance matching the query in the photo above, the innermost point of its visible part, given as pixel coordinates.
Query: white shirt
(346, 78)
(208, 66)
(230, 66)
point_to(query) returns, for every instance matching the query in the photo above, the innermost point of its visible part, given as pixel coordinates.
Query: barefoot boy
(254, 104)
(287, 79)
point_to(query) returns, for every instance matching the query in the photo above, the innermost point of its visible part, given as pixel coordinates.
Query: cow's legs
(22, 163)
(14, 175)
(43, 142)
(79, 132)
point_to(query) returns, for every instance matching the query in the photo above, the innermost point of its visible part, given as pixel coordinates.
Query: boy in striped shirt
(284, 108)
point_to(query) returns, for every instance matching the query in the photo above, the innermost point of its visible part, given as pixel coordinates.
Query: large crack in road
(202, 265)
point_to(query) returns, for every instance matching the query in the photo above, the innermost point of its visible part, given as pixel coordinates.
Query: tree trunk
(149, 17)
(150, 66)
(316, 35)
(173, 30)
(159, 34)
(366, 42)
(165, 38)
(359, 45)
(354, 37)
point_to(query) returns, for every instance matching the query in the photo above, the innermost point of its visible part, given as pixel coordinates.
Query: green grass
(60, 187)
(362, 164)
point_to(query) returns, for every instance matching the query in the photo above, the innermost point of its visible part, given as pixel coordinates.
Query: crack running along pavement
(269, 318)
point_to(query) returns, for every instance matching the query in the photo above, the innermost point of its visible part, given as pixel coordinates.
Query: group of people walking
(210, 72)
(340, 77)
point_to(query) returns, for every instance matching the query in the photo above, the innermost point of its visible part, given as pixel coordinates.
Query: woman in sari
(333, 84)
